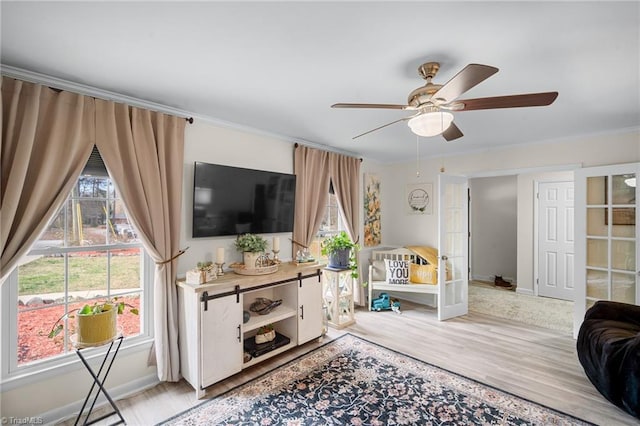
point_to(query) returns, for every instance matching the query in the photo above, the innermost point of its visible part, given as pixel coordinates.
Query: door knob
(444, 258)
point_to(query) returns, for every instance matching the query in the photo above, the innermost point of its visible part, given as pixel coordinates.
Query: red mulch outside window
(34, 326)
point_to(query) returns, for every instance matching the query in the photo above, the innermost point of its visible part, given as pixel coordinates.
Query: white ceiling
(278, 66)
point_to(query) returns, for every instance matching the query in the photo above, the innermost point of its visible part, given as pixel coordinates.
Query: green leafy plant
(341, 241)
(251, 243)
(204, 266)
(96, 308)
(265, 329)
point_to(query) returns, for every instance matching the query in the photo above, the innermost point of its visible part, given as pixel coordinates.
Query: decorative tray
(240, 269)
(310, 261)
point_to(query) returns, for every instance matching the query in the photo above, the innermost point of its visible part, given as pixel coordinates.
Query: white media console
(213, 334)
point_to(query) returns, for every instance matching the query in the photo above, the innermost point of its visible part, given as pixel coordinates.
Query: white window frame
(322, 235)
(13, 375)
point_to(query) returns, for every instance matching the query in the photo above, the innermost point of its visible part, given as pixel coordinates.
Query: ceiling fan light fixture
(430, 123)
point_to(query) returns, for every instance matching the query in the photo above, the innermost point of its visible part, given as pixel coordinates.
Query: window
(89, 252)
(332, 224)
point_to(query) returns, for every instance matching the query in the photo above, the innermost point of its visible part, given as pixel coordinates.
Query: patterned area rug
(351, 381)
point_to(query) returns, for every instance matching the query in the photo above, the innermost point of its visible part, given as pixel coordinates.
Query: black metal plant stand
(109, 358)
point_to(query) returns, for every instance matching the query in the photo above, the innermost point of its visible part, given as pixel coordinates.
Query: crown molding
(83, 89)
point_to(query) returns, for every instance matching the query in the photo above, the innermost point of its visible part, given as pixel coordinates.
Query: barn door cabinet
(214, 339)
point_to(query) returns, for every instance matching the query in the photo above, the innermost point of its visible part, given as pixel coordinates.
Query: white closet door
(555, 240)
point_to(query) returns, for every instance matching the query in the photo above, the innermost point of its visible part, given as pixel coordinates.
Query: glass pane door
(452, 246)
(611, 243)
(608, 216)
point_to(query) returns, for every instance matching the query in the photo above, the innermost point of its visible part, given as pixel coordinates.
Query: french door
(607, 255)
(453, 242)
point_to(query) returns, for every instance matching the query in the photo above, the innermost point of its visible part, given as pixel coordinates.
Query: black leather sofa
(609, 350)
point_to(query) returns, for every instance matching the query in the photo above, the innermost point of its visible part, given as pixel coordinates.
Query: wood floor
(537, 364)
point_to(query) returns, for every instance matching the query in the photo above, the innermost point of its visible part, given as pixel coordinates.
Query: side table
(337, 294)
(99, 379)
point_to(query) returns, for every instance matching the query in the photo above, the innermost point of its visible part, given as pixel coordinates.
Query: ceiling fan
(432, 103)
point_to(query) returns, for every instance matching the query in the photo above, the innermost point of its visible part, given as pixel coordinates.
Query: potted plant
(95, 324)
(204, 272)
(342, 252)
(251, 246)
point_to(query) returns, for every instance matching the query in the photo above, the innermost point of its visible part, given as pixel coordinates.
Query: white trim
(524, 291)
(68, 363)
(491, 278)
(83, 89)
(14, 376)
(70, 411)
(572, 138)
(536, 236)
(525, 170)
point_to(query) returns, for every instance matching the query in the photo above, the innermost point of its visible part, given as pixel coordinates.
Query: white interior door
(453, 242)
(555, 240)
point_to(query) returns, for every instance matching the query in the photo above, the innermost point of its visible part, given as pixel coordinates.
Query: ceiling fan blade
(452, 132)
(512, 101)
(380, 106)
(470, 76)
(383, 126)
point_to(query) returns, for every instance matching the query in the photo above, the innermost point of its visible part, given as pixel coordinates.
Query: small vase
(250, 259)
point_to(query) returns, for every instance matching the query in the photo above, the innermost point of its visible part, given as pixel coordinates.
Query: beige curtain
(311, 167)
(145, 150)
(47, 136)
(345, 172)
(345, 176)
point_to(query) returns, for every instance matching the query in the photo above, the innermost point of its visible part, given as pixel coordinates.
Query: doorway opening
(502, 243)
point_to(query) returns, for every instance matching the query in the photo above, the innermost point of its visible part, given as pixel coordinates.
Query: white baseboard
(491, 278)
(70, 411)
(482, 278)
(525, 291)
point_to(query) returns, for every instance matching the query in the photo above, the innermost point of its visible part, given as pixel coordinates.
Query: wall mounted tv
(232, 200)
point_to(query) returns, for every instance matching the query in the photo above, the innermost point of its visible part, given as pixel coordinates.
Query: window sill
(68, 363)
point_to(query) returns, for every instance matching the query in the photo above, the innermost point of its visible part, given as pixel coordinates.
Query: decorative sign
(419, 198)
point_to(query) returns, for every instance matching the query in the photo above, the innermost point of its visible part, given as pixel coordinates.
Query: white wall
(401, 229)
(218, 145)
(493, 226)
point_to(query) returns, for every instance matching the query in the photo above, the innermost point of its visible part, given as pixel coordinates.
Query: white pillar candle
(276, 244)
(220, 255)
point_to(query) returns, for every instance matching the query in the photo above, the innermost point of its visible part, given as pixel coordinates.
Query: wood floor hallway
(534, 363)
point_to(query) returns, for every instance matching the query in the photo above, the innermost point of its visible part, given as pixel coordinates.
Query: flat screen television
(232, 200)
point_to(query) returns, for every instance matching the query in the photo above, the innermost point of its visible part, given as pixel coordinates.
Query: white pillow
(378, 271)
(397, 271)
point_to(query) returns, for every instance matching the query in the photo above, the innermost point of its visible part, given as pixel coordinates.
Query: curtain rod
(82, 89)
(297, 145)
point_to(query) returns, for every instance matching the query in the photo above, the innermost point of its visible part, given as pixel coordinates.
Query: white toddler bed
(378, 280)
